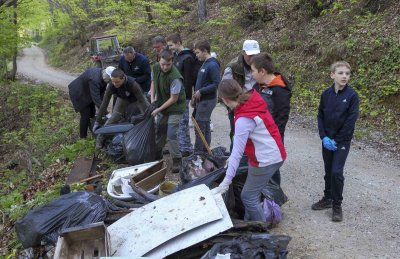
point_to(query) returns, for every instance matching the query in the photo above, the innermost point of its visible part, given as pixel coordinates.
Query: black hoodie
(185, 61)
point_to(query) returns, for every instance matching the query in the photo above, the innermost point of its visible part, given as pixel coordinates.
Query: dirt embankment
(371, 225)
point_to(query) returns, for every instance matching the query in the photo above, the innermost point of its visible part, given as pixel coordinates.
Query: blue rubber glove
(328, 144)
(333, 143)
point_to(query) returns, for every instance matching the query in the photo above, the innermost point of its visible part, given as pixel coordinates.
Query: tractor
(105, 51)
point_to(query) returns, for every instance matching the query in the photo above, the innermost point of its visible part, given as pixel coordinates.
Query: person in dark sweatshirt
(204, 99)
(184, 61)
(276, 92)
(127, 92)
(337, 115)
(136, 65)
(86, 93)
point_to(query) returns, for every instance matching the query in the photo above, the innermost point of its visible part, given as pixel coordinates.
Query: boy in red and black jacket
(276, 92)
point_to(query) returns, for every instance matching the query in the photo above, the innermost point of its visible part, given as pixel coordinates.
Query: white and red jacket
(256, 134)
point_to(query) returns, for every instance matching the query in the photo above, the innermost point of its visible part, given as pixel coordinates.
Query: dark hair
(167, 55)
(129, 49)
(175, 38)
(263, 60)
(118, 73)
(203, 45)
(158, 39)
(231, 90)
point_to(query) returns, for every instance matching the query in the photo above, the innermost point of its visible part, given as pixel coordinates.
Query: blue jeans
(257, 178)
(334, 164)
(185, 145)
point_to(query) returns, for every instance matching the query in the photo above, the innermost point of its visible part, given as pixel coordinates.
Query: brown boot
(176, 165)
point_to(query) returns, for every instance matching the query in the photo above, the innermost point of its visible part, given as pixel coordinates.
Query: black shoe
(337, 214)
(176, 165)
(186, 153)
(322, 204)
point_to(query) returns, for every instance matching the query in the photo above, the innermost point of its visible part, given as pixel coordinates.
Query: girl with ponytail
(257, 135)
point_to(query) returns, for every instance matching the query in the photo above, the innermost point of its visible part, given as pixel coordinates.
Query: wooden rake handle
(201, 135)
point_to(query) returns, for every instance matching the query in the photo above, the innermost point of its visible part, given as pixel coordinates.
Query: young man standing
(169, 94)
(184, 60)
(204, 99)
(239, 69)
(337, 116)
(127, 92)
(276, 92)
(136, 65)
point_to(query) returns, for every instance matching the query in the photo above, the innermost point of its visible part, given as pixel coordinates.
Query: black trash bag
(140, 142)
(200, 164)
(272, 191)
(211, 180)
(257, 246)
(115, 149)
(45, 223)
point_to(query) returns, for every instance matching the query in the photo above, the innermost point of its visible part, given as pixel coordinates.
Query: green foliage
(51, 121)
(82, 147)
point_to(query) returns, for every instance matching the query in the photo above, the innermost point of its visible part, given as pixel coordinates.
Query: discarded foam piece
(152, 225)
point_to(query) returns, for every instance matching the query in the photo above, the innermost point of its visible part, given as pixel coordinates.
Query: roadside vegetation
(37, 148)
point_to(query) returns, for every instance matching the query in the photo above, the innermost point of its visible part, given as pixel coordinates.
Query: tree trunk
(149, 15)
(15, 50)
(202, 10)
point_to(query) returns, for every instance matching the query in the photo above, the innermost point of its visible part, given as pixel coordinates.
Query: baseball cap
(251, 47)
(109, 70)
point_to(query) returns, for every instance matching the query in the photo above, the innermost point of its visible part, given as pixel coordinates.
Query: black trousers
(334, 164)
(84, 124)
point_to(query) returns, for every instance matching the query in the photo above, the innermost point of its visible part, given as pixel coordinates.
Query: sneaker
(322, 204)
(337, 214)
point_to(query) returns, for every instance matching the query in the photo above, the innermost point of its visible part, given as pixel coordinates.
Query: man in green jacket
(169, 93)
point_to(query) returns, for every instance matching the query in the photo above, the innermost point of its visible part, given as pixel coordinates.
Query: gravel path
(371, 207)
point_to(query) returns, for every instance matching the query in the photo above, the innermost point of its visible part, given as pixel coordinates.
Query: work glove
(329, 144)
(96, 125)
(222, 188)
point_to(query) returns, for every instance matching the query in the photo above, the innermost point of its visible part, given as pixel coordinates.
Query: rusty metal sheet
(155, 223)
(80, 170)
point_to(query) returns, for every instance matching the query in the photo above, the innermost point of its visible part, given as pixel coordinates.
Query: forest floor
(371, 226)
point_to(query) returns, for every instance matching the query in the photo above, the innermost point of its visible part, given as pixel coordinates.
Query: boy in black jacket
(276, 92)
(337, 115)
(184, 61)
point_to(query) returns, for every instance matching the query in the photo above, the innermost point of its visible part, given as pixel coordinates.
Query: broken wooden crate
(90, 241)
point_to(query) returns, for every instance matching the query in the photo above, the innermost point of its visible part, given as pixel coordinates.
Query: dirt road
(371, 207)
(32, 66)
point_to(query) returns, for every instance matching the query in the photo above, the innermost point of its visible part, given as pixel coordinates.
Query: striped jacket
(264, 146)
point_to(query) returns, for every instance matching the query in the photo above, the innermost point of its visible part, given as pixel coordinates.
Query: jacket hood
(185, 52)
(252, 107)
(212, 59)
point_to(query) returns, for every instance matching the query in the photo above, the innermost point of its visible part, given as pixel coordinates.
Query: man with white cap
(86, 93)
(128, 91)
(240, 70)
